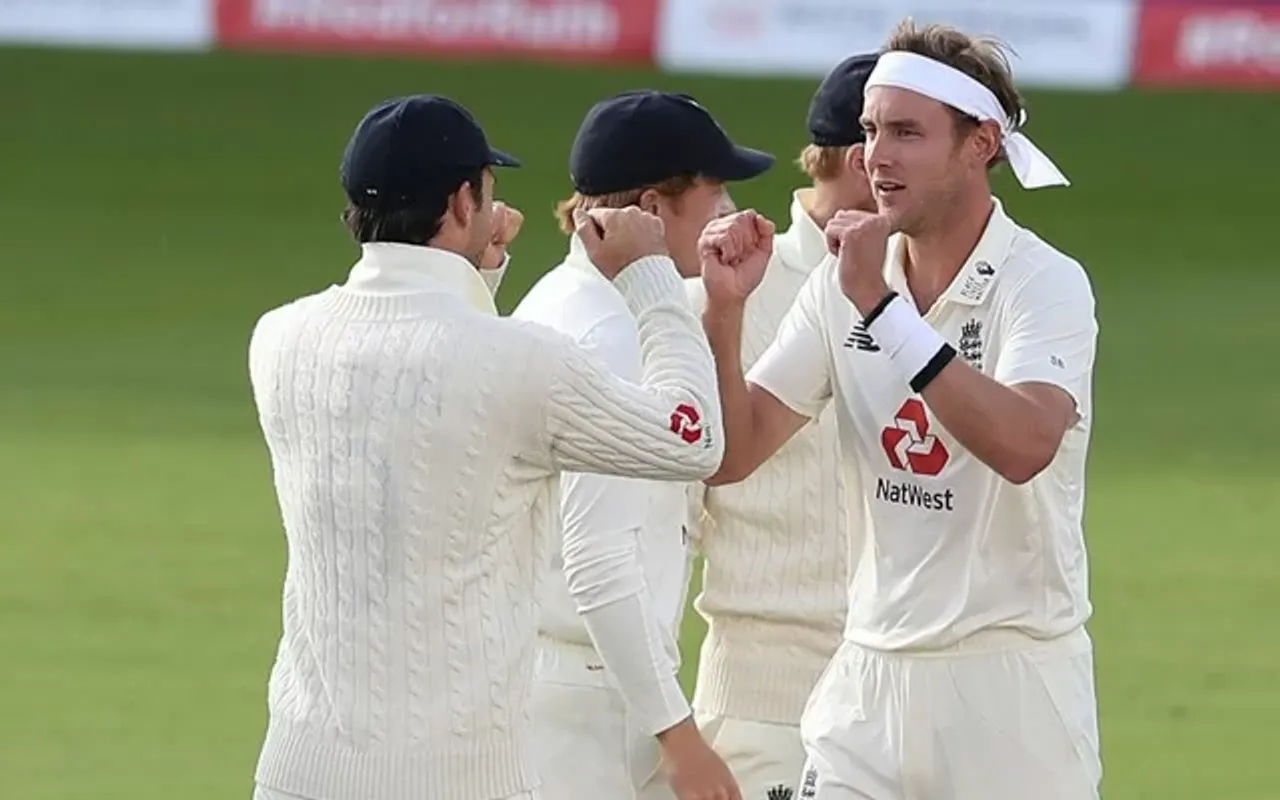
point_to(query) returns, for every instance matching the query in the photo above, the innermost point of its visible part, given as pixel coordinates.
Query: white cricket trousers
(766, 759)
(1000, 716)
(585, 743)
(263, 793)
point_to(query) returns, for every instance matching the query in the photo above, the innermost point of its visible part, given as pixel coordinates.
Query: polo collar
(804, 245)
(579, 258)
(977, 276)
(394, 268)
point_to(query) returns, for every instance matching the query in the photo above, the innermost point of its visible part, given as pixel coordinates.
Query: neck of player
(934, 256)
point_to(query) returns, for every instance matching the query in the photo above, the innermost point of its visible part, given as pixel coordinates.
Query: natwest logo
(909, 444)
(686, 423)
(1203, 44)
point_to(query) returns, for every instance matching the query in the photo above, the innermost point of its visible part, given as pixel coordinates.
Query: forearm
(1004, 428)
(668, 427)
(630, 642)
(723, 326)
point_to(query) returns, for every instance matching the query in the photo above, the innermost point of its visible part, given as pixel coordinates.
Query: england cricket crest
(970, 344)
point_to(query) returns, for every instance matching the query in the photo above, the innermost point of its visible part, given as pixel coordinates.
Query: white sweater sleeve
(668, 427)
(696, 492)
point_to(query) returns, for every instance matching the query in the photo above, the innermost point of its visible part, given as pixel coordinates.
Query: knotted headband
(952, 87)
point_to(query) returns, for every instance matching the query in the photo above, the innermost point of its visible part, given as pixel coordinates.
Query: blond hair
(822, 163)
(982, 58)
(670, 188)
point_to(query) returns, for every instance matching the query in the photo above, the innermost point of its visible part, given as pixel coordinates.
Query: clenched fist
(860, 239)
(506, 226)
(616, 237)
(734, 251)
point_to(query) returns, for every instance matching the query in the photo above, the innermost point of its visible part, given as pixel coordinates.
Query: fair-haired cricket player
(608, 707)
(413, 434)
(957, 348)
(776, 547)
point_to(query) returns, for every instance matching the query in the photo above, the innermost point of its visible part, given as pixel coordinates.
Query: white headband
(952, 87)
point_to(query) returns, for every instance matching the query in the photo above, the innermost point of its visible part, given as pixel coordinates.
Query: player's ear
(462, 205)
(650, 201)
(986, 140)
(855, 159)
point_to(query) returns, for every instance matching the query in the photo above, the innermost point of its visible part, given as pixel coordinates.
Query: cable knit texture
(775, 545)
(412, 434)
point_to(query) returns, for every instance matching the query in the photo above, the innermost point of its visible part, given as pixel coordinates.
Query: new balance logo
(862, 340)
(780, 792)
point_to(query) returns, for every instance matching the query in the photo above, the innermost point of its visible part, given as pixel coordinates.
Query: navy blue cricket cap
(639, 138)
(410, 150)
(836, 107)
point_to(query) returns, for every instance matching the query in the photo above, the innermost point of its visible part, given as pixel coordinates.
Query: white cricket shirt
(596, 512)
(952, 547)
(775, 546)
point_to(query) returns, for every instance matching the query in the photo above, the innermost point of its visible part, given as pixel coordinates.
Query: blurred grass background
(156, 204)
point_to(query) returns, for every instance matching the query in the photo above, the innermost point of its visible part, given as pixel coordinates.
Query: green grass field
(155, 205)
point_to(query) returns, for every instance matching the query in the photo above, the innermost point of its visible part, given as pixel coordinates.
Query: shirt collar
(394, 268)
(578, 257)
(804, 245)
(977, 276)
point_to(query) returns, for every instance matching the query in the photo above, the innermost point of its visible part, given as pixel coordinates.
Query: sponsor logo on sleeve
(686, 423)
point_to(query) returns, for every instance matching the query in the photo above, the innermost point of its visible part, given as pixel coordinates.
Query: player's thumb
(586, 228)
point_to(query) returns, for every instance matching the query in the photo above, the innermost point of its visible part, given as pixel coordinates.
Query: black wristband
(879, 309)
(936, 364)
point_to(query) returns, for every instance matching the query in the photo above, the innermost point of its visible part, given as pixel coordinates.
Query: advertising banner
(1066, 43)
(590, 30)
(1209, 44)
(145, 24)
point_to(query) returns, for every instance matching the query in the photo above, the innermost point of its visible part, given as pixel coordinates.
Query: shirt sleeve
(1052, 333)
(602, 518)
(493, 277)
(696, 509)
(667, 427)
(634, 650)
(696, 293)
(602, 515)
(796, 367)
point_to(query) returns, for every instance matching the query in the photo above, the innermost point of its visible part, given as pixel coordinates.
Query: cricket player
(776, 554)
(957, 348)
(608, 707)
(413, 433)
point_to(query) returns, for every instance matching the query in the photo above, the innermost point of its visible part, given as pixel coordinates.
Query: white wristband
(911, 344)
